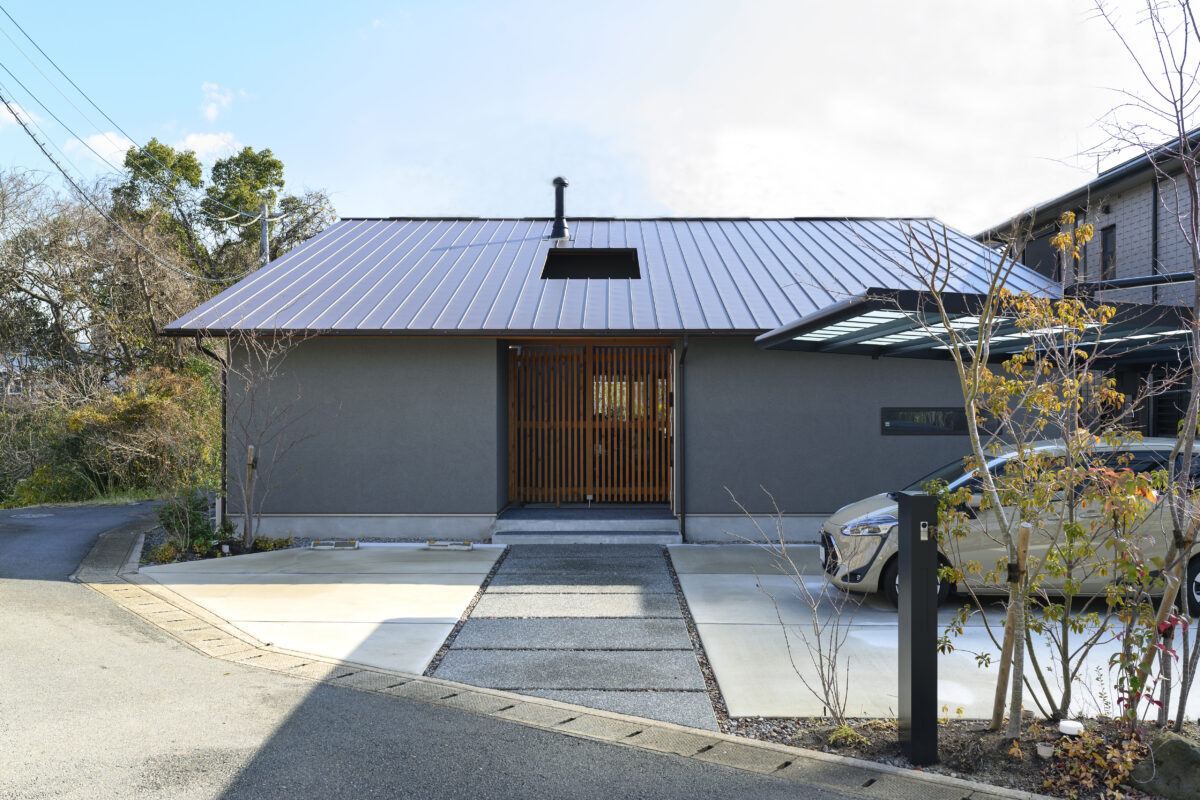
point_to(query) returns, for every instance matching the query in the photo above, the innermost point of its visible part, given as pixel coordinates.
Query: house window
(936, 421)
(591, 262)
(1108, 253)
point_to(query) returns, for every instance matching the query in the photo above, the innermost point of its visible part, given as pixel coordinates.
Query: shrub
(185, 519)
(85, 435)
(49, 484)
(165, 553)
(264, 544)
(845, 736)
(159, 428)
(1089, 765)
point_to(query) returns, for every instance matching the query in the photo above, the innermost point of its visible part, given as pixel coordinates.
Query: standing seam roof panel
(374, 286)
(271, 282)
(433, 311)
(375, 249)
(360, 286)
(458, 309)
(790, 293)
(464, 275)
(423, 287)
(421, 266)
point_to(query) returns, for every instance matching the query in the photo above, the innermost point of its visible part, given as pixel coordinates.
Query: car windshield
(948, 474)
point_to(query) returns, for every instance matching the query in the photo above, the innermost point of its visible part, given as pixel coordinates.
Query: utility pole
(266, 236)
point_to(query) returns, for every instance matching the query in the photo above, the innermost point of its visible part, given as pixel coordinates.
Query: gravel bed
(436, 661)
(724, 723)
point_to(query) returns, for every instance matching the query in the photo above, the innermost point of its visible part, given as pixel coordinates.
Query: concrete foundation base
(468, 527)
(629, 528)
(741, 528)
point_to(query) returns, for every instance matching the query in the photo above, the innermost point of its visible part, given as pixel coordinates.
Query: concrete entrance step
(587, 520)
(587, 537)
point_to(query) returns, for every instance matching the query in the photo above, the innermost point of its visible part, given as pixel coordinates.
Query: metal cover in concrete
(537, 714)
(681, 743)
(686, 707)
(570, 669)
(598, 727)
(756, 759)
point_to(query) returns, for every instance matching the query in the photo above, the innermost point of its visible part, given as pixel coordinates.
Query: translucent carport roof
(906, 324)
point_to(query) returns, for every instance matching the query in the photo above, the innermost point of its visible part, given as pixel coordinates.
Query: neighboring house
(12, 384)
(454, 368)
(1132, 208)
(1137, 234)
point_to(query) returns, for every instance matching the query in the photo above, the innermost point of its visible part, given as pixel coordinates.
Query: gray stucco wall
(806, 426)
(397, 425)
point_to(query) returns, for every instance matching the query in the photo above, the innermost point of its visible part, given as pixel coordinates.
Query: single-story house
(449, 372)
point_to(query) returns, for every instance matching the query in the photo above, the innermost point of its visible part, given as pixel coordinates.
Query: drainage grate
(334, 544)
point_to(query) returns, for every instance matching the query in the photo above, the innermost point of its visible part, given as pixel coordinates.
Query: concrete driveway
(388, 606)
(98, 704)
(595, 625)
(757, 627)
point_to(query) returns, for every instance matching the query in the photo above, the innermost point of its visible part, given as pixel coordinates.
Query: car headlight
(876, 525)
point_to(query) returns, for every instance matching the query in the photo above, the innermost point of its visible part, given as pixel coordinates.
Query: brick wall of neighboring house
(1174, 253)
(1131, 211)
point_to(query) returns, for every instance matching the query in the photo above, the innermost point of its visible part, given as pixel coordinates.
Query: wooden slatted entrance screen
(590, 419)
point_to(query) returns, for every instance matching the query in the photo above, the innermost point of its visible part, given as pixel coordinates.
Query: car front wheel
(1191, 588)
(890, 582)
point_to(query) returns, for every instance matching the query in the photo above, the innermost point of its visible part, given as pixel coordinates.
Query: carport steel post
(918, 567)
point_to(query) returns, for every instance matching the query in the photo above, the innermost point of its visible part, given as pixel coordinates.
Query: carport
(906, 324)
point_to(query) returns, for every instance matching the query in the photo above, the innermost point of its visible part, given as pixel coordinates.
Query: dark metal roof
(907, 324)
(1130, 170)
(482, 277)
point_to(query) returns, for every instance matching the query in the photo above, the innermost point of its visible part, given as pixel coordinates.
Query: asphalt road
(95, 703)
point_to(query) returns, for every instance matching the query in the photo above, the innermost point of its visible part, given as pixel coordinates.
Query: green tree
(213, 223)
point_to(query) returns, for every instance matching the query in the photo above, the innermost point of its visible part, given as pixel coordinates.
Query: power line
(237, 212)
(54, 86)
(79, 190)
(64, 125)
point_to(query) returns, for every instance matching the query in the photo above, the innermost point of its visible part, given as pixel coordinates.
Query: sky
(966, 111)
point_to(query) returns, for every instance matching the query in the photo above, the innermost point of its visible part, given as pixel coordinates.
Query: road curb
(212, 636)
(115, 552)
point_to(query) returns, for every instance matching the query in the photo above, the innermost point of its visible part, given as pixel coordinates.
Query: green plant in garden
(186, 522)
(1029, 503)
(265, 544)
(154, 430)
(165, 553)
(1089, 765)
(845, 736)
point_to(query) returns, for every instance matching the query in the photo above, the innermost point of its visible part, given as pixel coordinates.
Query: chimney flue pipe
(559, 231)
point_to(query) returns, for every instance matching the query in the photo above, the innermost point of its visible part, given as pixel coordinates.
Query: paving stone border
(720, 711)
(211, 636)
(436, 661)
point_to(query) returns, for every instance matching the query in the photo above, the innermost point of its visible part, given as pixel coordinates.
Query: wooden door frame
(669, 343)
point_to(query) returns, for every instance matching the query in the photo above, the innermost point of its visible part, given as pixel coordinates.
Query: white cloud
(7, 118)
(207, 145)
(216, 100)
(109, 146)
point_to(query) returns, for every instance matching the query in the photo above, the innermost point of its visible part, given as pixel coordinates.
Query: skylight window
(592, 263)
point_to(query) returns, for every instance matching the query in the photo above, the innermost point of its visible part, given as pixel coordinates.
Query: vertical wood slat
(592, 418)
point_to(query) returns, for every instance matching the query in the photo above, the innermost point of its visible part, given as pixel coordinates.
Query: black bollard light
(918, 568)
